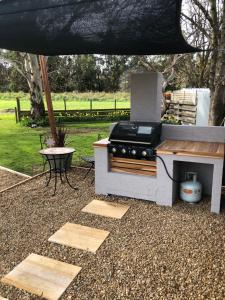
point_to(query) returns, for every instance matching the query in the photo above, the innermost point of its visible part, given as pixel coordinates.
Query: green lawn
(19, 145)
(73, 100)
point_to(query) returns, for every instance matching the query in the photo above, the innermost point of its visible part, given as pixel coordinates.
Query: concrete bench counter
(101, 143)
(152, 182)
(205, 158)
(192, 148)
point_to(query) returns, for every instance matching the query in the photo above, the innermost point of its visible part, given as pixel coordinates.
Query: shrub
(29, 122)
(170, 120)
(78, 117)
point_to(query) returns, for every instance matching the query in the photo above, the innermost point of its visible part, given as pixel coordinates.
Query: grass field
(73, 100)
(19, 145)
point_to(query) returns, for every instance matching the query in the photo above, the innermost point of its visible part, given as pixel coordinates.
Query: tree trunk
(37, 105)
(218, 88)
(217, 106)
(35, 85)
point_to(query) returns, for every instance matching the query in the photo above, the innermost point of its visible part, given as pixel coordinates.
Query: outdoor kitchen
(147, 160)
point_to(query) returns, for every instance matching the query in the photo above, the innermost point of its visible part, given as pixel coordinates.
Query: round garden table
(59, 161)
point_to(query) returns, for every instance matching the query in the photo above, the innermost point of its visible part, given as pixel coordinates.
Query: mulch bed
(8, 179)
(153, 252)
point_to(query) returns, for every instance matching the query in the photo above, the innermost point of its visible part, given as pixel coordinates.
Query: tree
(61, 73)
(4, 80)
(27, 66)
(86, 72)
(33, 76)
(112, 68)
(206, 21)
(73, 72)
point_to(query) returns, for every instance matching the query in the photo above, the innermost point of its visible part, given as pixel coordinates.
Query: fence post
(18, 109)
(115, 105)
(16, 115)
(64, 100)
(91, 105)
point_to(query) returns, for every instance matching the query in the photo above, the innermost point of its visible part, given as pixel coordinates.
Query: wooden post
(18, 108)
(65, 108)
(115, 105)
(45, 81)
(16, 115)
(91, 106)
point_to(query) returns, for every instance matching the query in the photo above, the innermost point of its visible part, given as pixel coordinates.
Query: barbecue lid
(136, 132)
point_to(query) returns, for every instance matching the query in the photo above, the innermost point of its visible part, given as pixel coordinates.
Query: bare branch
(197, 25)
(146, 64)
(205, 12)
(14, 64)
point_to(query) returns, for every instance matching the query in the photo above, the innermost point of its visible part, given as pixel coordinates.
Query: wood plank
(80, 237)
(183, 113)
(188, 114)
(42, 276)
(187, 119)
(174, 102)
(188, 123)
(205, 149)
(133, 166)
(183, 96)
(130, 171)
(180, 98)
(187, 101)
(134, 161)
(183, 107)
(184, 102)
(196, 155)
(48, 96)
(106, 209)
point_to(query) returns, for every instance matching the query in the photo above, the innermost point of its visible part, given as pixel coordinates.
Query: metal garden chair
(91, 161)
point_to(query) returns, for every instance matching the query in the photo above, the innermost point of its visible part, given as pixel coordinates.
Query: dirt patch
(153, 252)
(8, 179)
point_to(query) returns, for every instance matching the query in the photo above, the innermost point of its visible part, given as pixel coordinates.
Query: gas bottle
(191, 189)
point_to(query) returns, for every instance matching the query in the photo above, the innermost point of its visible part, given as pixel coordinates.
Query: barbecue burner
(135, 139)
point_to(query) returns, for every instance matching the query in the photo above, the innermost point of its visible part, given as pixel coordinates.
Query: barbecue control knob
(114, 150)
(124, 151)
(133, 152)
(144, 153)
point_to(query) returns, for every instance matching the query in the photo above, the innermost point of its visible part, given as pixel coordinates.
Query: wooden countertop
(101, 143)
(191, 148)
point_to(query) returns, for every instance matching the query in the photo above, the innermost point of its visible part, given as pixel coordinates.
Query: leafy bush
(170, 120)
(84, 116)
(28, 122)
(78, 117)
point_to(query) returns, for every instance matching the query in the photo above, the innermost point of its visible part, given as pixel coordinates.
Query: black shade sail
(123, 27)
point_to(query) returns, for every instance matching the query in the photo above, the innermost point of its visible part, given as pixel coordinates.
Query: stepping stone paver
(106, 209)
(42, 276)
(79, 236)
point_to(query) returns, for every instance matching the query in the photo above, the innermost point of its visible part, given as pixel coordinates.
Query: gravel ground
(152, 253)
(8, 179)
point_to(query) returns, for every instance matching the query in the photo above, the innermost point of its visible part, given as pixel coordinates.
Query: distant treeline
(80, 73)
